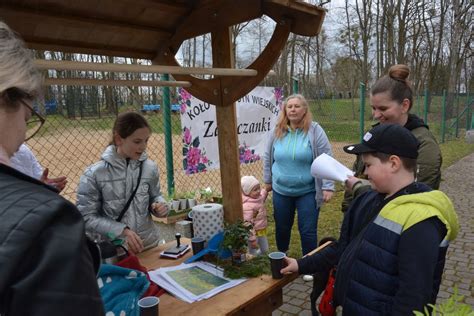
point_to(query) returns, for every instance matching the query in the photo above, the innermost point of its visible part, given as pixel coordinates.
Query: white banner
(257, 113)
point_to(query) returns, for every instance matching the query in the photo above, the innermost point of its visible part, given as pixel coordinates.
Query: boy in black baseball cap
(382, 142)
(391, 251)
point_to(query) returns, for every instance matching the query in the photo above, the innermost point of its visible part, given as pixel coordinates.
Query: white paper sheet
(184, 283)
(326, 167)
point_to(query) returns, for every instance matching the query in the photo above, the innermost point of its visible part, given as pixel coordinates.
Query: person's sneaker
(307, 277)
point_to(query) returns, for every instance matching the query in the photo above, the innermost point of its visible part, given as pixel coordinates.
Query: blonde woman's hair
(281, 127)
(17, 70)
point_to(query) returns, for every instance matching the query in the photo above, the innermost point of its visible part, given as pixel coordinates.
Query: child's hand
(291, 266)
(134, 242)
(350, 182)
(160, 209)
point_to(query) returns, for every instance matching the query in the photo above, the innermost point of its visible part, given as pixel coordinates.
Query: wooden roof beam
(79, 47)
(306, 19)
(87, 66)
(84, 18)
(110, 82)
(217, 16)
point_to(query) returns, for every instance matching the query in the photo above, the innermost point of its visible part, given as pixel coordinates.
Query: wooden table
(256, 296)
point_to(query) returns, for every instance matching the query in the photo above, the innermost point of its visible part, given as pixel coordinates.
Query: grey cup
(149, 306)
(276, 263)
(197, 244)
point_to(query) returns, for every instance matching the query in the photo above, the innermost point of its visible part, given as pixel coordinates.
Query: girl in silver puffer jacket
(106, 186)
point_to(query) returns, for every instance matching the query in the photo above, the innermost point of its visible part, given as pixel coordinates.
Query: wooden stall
(155, 29)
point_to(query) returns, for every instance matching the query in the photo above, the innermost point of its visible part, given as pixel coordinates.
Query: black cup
(198, 244)
(149, 306)
(276, 263)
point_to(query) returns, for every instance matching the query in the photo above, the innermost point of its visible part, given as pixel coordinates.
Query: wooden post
(226, 116)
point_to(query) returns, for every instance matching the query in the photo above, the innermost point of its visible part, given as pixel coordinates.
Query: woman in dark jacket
(46, 266)
(391, 99)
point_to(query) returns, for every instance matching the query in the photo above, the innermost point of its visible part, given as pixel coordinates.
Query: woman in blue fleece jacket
(291, 148)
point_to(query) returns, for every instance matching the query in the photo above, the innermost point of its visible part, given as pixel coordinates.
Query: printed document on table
(193, 282)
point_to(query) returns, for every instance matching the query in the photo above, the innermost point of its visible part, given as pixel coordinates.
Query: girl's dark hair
(408, 163)
(396, 84)
(127, 123)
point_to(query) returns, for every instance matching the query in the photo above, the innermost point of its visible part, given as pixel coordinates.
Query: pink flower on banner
(184, 100)
(278, 93)
(182, 108)
(194, 158)
(194, 155)
(187, 136)
(247, 155)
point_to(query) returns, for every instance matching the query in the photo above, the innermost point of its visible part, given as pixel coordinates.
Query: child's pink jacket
(255, 212)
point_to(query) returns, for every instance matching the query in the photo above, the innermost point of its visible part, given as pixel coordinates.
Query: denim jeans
(284, 208)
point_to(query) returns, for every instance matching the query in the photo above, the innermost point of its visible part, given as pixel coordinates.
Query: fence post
(457, 116)
(469, 120)
(418, 103)
(333, 108)
(443, 117)
(425, 114)
(362, 110)
(168, 134)
(295, 86)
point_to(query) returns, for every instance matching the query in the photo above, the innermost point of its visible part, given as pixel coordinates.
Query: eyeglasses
(34, 123)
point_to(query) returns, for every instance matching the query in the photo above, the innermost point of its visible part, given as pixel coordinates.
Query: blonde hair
(17, 70)
(281, 127)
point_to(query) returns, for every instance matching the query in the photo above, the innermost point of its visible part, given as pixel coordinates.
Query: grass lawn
(330, 217)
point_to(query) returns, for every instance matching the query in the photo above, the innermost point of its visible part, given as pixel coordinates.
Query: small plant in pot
(174, 203)
(183, 201)
(191, 196)
(205, 195)
(236, 236)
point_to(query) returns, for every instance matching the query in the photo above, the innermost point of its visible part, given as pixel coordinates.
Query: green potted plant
(175, 203)
(205, 195)
(191, 197)
(236, 236)
(183, 201)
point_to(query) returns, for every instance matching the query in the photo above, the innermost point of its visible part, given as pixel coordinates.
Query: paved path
(458, 184)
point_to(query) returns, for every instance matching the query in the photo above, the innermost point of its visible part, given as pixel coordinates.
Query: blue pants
(284, 213)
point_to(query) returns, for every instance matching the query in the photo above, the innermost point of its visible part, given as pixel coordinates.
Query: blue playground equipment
(51, 106)
(151, 108)
(175, 108)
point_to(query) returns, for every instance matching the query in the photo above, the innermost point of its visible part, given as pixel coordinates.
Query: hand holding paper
(326, 167)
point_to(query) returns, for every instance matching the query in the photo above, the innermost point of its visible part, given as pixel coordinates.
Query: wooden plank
(237, 86)
(205, 90)
(74, 65)
(306, 18)
(68, 46)
(215, 15)
(172, 219)
(312, 252)
(110, 82)
(226, 117)
(86, 22)
(256, 296)
(262, 306)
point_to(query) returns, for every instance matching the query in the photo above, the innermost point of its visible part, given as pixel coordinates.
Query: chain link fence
(77, 132)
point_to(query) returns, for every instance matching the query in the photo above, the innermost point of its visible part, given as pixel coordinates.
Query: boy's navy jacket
(391, 252)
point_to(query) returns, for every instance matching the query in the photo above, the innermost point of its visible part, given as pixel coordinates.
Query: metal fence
(75, 135)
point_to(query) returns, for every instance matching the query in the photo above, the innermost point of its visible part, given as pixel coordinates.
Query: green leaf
(196, 142)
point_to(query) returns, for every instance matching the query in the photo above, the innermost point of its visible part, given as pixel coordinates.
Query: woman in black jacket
(46, 266)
